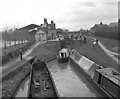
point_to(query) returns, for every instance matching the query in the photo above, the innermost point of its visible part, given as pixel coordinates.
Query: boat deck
(43, 87)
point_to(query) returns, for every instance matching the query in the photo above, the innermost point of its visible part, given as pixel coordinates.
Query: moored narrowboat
(109, 80)
(63, 55)
(41, 84)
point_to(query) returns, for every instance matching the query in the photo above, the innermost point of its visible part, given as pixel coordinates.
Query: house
(41, 35)
(114, 24)
(46, 31)
(98, 27)
(106, 31)
(50, 29)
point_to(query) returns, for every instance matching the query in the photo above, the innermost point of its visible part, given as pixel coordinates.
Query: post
(20, 51)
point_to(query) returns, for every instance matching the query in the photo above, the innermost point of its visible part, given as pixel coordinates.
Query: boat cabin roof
(111, 74)
(64, 50)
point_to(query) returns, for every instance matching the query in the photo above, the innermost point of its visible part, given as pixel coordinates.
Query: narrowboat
(63, 55)
(41, 85)
(108, 80)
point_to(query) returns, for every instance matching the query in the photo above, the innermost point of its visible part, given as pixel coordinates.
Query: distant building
(74, 33)
(59, 31)
(104, 30)
(41, 35)
(98, 27)
(52, 30)
(45, 30)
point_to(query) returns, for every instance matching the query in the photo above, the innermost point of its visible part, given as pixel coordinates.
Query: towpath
(109, 53)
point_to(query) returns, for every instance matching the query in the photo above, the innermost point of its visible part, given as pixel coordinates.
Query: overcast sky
(69, 14)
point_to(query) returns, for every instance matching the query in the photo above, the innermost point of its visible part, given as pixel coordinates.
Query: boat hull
(92, 81)
(41, 83)
(63, 60)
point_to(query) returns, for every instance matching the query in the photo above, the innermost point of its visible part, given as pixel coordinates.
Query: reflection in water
(69, 82)
(23, 89)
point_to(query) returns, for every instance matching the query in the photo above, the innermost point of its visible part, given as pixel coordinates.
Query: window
(104, 82)
(96, 76)
(62, 55)
(99, 78)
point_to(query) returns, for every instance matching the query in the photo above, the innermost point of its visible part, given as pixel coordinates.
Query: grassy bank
(44, 52)
(10, 83)
(12, 48)
(95, 54)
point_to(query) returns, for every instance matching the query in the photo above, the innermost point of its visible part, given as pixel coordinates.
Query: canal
(70, 82)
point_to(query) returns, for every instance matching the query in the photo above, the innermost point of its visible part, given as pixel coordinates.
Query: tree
(5, 36)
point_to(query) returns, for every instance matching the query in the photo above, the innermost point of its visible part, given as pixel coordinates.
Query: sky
(67, 14)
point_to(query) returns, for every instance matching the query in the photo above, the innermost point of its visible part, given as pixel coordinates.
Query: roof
(40, 32)
(99, 25)
(32, 29)
(115, 24)
(45, 29)
(111, 74)
(64, 50)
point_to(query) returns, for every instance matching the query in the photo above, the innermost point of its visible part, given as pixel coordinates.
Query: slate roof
(115, 24)
(43, 29)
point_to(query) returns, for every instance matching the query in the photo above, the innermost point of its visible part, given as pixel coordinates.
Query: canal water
(70, 82)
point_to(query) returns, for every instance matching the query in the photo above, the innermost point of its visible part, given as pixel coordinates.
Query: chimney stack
(52, 22)
(45, 21)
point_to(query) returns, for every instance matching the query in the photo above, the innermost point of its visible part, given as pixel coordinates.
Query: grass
(95, 54)
(46, 50)
(10, 85)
